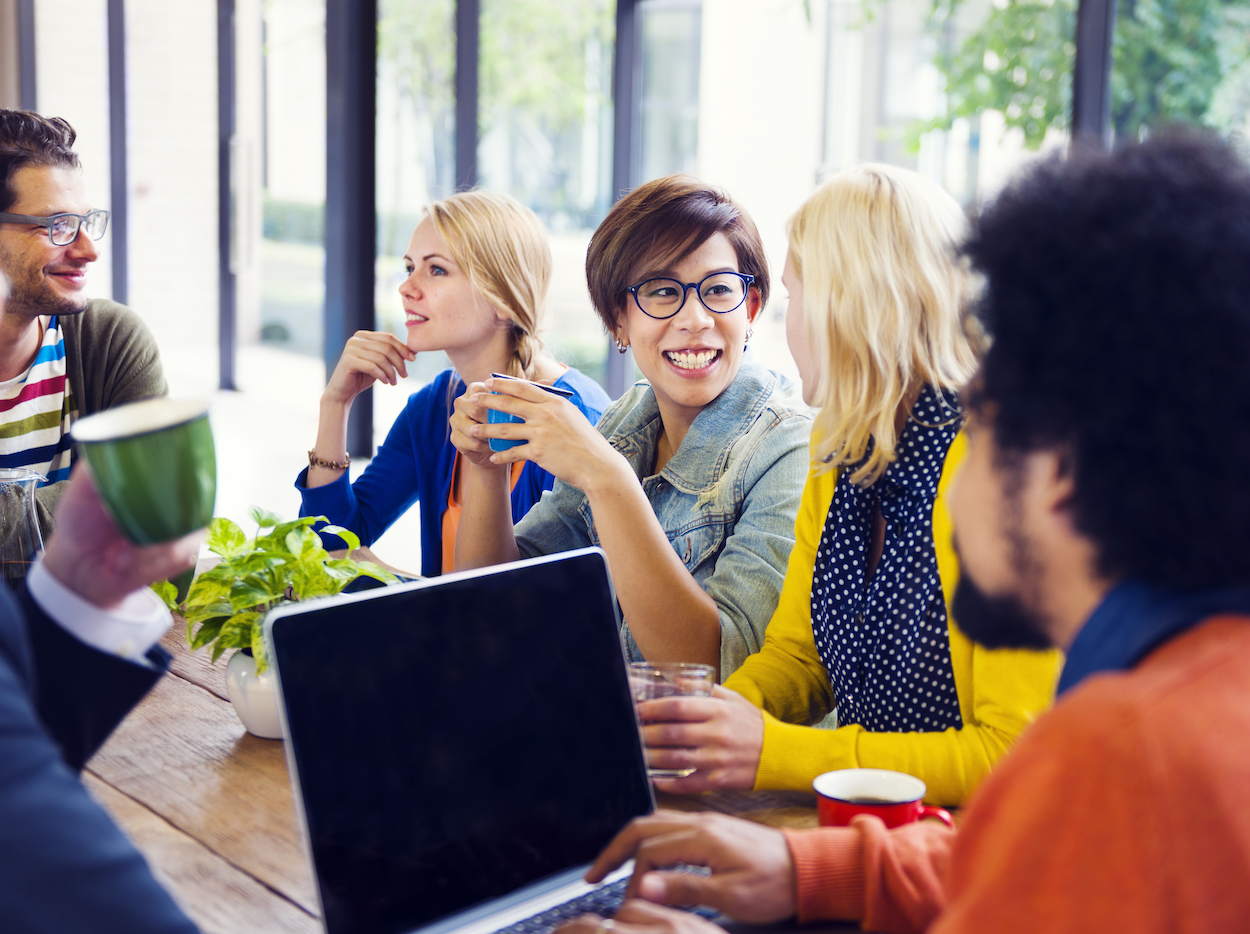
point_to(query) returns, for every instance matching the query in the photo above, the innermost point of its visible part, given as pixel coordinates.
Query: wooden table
(210, 805)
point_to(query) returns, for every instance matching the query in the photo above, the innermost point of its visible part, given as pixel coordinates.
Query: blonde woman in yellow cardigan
(864, 624)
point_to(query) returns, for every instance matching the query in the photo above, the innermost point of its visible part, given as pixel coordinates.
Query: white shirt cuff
(129, 631)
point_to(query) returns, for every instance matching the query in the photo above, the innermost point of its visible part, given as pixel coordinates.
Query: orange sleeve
(891, 881)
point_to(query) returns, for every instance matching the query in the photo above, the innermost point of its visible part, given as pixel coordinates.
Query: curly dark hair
(1118, 303)
(28, 138)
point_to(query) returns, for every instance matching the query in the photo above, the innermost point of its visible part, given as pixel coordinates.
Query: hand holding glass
(649, 681)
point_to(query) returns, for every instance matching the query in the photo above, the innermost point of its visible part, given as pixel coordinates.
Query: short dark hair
(1118, 304)
(661, 223)
(28, 138)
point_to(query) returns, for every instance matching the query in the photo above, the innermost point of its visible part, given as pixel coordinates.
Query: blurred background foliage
(1174, 61)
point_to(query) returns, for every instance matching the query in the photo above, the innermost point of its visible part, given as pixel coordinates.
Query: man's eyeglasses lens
(662, 298)
(65, 226)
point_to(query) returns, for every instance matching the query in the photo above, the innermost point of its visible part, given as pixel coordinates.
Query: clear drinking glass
(650, 681)
(20, 535)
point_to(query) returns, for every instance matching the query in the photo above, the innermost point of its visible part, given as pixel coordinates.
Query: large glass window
(545, 126)
(669, 108)
(962, 91)
(1181, 61)
(293, 246)
(415, 156)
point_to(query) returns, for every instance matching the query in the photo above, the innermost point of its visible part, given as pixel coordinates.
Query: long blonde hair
(502, 247)
(884, 297)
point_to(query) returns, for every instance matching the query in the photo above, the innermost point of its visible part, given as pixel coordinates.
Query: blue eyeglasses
(720, 292)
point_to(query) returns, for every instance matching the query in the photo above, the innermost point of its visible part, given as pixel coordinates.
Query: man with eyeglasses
(62, 355)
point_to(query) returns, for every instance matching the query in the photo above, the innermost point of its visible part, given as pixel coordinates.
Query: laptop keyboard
(602, 901)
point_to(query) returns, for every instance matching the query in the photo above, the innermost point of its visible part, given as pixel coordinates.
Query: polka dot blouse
(884, 640)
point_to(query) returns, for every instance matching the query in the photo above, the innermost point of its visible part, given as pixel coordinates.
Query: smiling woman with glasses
(691, 480)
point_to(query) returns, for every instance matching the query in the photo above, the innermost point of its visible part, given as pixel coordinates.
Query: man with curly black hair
(62, 355)
(1102, 507)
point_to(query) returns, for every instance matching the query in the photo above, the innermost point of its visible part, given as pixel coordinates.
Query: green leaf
(236, 632)
(352, 540)
(207, 633)
(343, 569)
(206, 591)
(260, 651)
(225, 538)
(369, 569)
(257, 563)
(253, 591)
(276, 539)
(264, 518)
(168, 594)
(200, 613)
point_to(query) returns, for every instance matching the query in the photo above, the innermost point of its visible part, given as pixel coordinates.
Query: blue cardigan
(415, 463)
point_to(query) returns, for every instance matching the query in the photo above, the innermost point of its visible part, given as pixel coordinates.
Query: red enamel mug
(895, 797)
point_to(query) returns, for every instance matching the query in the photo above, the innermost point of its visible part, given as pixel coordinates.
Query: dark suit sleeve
(64, 865)
(81, 694)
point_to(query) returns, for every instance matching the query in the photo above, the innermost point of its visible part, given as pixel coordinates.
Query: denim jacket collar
(700, 462)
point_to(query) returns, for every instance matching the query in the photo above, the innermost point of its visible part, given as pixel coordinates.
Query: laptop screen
(457, 740)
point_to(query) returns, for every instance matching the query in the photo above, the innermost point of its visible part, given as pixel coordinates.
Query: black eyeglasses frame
(747, 281)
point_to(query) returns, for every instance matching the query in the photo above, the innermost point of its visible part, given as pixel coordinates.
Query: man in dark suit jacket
(77, 651)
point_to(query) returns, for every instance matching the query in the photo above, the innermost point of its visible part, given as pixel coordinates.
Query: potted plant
(225, 606)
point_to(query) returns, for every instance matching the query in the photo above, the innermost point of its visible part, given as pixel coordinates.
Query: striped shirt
(36, 411)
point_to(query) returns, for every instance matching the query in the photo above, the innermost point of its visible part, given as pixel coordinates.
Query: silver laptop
(462, 747)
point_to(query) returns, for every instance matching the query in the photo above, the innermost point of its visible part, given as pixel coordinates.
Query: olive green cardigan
(110, 359)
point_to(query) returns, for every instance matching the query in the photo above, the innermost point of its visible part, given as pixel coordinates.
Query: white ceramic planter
(255, 698)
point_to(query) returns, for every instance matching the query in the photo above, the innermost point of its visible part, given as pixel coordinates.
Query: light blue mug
(495, 417)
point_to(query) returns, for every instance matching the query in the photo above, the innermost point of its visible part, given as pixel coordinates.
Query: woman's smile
(693, 362)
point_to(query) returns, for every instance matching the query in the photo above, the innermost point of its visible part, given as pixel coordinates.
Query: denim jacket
(727, 499)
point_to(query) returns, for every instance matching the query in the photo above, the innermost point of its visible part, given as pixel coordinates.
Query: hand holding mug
(467, 414)
(89, 554)
(557, 436)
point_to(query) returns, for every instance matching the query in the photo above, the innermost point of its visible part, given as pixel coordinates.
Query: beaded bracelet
(315, 461)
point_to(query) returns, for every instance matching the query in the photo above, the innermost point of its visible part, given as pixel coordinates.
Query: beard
(996, 622)
(32, 299)
(30, 296)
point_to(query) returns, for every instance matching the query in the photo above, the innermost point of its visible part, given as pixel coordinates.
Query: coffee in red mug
(895, 797)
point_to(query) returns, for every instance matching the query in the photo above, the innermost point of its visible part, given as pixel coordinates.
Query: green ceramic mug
(154, 465)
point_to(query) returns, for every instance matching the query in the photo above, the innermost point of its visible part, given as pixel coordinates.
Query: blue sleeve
(65, 868)
(407, 467)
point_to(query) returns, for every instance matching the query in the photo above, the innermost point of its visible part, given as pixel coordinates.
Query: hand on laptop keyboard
(603, 901)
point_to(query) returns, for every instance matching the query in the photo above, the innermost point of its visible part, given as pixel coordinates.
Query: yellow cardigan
(999, 691)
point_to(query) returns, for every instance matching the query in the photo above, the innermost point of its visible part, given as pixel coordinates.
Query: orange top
(1122, 809)
(451, 518)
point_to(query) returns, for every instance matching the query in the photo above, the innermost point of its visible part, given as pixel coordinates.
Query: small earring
(750, 334)
(620, 348)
